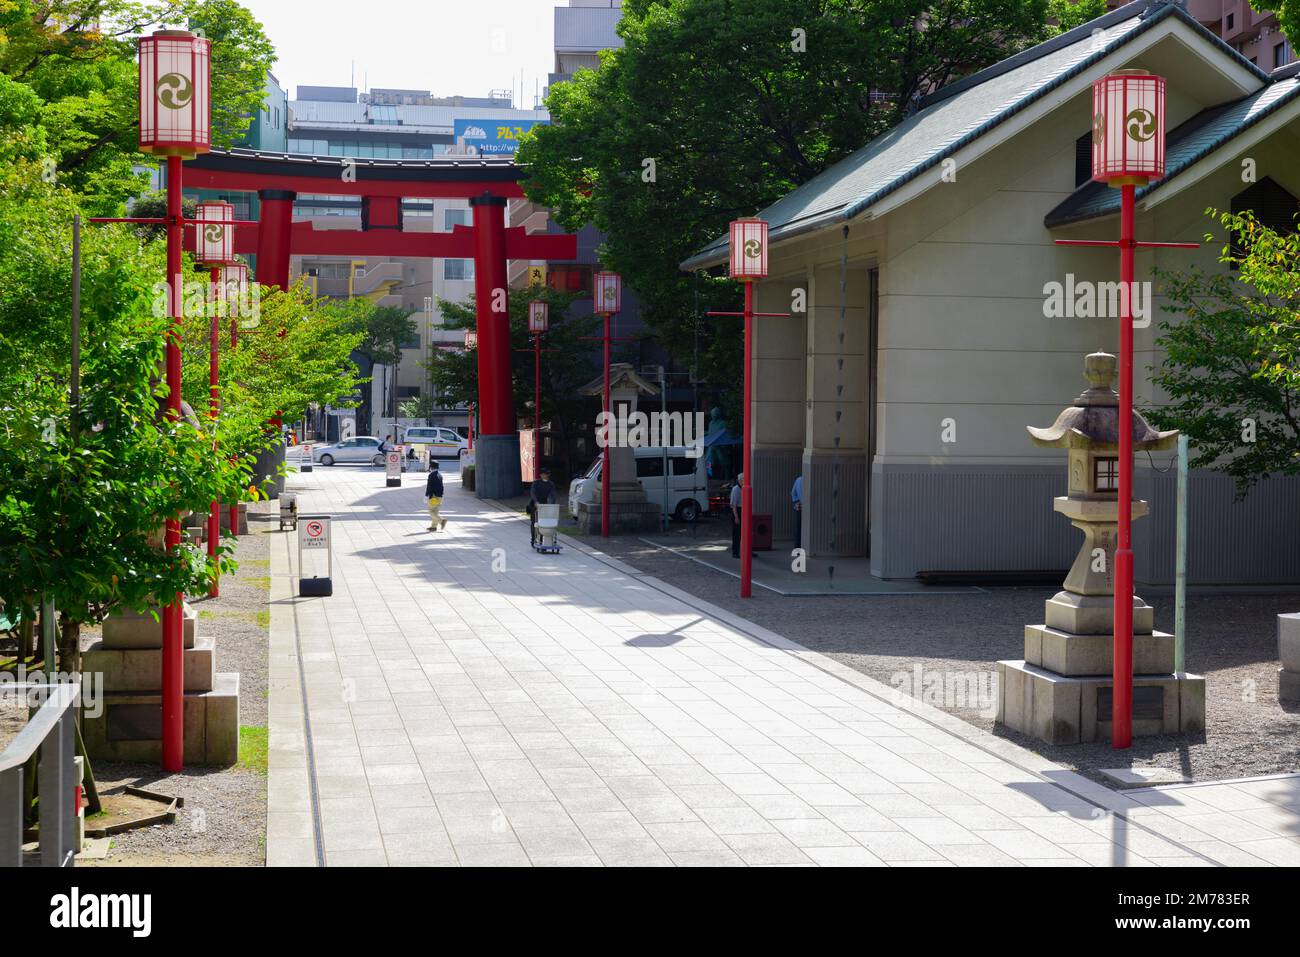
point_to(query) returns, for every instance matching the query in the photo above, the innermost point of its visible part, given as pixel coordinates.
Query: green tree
(293, 351)
(78, 59)
(387, 329)
(416, 407)
(242, 55)
(84, 492)
(1063, 15)
(737, 103)
(1288, 15)
(1232, 366)
(454, 372)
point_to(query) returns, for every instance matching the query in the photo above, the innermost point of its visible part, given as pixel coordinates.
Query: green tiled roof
(951, 118)
(1191, 142)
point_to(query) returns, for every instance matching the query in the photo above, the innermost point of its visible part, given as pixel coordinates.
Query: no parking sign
(393, 466)
(314, 536)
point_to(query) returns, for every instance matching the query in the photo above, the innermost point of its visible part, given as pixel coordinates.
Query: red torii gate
(277, 178)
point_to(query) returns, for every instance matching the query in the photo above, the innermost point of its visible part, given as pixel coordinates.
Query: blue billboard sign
(493, 136)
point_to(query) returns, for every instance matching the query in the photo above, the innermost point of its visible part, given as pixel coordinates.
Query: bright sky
(450, 47)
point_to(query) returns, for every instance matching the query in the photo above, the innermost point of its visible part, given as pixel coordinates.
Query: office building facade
(1255, 34)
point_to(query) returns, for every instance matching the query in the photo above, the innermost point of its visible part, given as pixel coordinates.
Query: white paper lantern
(175, 88)
(538, 316)
(214, 239)
(1128, 128)
(233, 289)
(608, 292)
(748, 249)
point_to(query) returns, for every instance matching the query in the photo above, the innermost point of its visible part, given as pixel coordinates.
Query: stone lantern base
(1063, 709)
(1060, 692)
(629, 512)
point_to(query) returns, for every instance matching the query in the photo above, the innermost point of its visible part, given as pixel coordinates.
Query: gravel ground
(223, 821)
(1231, 640)
(13, 718)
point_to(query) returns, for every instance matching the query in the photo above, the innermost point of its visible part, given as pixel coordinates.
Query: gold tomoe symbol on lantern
(1141, 124)
(214, 233)
(174, 91)
(1098, 127)
(753, 249)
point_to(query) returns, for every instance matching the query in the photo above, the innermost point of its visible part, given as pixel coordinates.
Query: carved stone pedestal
(128, 727)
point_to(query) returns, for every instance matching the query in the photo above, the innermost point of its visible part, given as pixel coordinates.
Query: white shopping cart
(546, 535)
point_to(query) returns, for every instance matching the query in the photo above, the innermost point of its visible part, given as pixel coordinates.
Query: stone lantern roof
(1093, 421)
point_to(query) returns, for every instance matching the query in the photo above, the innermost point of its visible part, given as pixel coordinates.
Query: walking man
(796, 499)
(541, 492)
(735, 516)
(433, 492)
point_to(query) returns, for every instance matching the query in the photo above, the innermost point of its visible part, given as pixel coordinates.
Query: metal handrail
(63, 695)
(52, 731)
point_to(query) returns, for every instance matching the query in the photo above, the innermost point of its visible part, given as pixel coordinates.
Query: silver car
(360, 449)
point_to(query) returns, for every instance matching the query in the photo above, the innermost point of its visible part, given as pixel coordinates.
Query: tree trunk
(69, 646)
(27, 635)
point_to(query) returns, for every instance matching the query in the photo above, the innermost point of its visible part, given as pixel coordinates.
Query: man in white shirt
(735, 516)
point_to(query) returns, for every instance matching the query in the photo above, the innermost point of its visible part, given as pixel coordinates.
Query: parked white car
(440, 441)
(686, 487)
(358, 450)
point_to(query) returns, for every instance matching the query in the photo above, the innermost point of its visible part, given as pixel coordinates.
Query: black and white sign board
(393, 467)
(313, 539)
(304, 457)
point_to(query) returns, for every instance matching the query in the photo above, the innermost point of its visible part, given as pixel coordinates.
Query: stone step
(140, 669)
(1082, 656)
(126, 629)
(1060, 709)
(1094, 614)
(128, 726)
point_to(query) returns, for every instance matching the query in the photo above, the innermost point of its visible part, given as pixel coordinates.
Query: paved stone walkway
(463, 700)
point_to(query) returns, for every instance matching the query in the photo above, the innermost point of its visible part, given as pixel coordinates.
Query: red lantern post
(214, 247)
(748, 263)
(607, 292)
(234, 285)
(471, 342)
(539, 321)
(1128, 151)
(175, 122)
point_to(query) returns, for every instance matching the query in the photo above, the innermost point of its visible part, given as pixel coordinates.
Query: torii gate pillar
(275, 236)
(496, 447)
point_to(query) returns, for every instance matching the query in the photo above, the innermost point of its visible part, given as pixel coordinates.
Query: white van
(687, 485)
(441, 441)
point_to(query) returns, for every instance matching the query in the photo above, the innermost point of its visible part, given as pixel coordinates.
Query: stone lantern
(1061, 691)
(629, 510)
